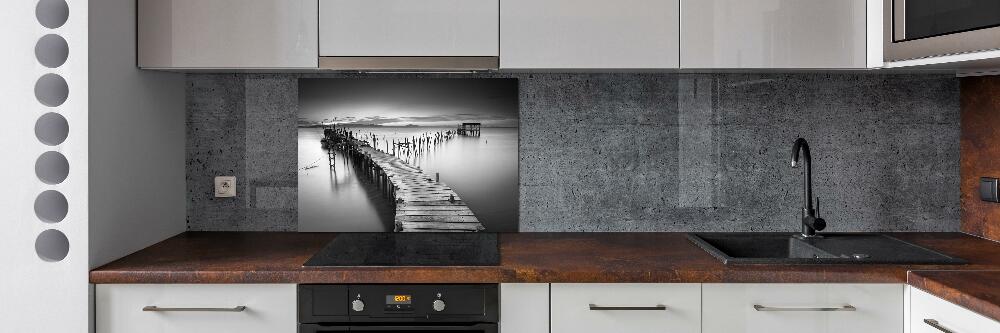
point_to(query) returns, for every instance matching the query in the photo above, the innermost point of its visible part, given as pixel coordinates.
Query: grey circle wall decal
(52, 167)
(52, 245)
(52, 13)
(51, 90)
(51, 51)
(52, 129)
(51, 206)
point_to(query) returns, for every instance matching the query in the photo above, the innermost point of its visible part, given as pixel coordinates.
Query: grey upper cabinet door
(409, 28)
(621, 34)
(227, 34)
(773, 34)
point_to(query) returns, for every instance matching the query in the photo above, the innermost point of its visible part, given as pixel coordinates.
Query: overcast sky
(401, 102)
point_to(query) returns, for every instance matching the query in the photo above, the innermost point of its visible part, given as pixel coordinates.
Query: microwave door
(916, 19)
(915, 29)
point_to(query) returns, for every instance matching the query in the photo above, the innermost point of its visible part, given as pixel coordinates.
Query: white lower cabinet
(802, 308)
(524, 308)
(569, 307)
(201, 308)
(625, 308)
(930, 314)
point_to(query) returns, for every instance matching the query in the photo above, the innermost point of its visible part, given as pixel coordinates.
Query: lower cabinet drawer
(626, 308)
(803, 308)
(930, 314)
(190, 308)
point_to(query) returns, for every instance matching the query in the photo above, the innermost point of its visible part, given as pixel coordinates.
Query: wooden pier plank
(457, 203)
(403, 208)
(427, 226)
(418, 198)
(465, 212)
(431, 192)
(437, 218)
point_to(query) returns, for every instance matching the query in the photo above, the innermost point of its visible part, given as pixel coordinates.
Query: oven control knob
(358, 305)
(438, 305)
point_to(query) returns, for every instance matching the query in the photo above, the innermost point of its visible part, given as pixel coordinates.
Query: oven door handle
(486, 328)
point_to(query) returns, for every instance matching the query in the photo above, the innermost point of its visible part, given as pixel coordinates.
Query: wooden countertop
(974, 290)
(277, 257)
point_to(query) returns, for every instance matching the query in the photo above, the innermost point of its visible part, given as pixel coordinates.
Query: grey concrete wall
(639, 152)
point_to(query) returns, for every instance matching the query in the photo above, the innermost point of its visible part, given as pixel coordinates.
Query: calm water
(482, 170)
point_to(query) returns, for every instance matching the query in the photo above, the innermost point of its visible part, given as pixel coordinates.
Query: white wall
(137, 137)
(137, 185)
(38, 295)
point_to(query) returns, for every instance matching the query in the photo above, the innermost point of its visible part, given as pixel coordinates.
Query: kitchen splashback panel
(637, 152)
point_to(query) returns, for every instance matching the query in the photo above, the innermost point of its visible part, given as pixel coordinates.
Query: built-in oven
(386, 308)
(928, 28)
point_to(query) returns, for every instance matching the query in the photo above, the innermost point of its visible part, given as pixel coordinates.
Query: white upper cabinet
(777, 33)
(509, 34)
(596, 34)
(408, 28)
(227, 33)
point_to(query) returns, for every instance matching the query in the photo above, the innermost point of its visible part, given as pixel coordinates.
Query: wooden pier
(422, 203)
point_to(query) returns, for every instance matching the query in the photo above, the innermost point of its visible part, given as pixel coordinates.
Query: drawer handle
(595, 307)
(935, 324)
(759, 307)
(154, 308)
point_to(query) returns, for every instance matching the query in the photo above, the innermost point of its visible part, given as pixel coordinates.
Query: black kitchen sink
(832, 248)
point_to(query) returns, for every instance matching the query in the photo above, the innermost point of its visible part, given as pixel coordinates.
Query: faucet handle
(818, 223)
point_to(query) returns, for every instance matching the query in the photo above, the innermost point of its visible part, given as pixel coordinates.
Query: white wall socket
(225, 187)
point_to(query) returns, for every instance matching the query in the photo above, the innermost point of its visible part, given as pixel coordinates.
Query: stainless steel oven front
(915, 29)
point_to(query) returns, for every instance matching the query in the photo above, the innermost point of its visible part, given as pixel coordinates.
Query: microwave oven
(915, 29)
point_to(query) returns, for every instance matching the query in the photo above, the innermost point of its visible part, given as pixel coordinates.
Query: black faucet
(810, 221)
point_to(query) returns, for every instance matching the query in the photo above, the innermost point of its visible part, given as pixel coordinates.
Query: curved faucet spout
(810, 222)
(807, 188)
(800, 145)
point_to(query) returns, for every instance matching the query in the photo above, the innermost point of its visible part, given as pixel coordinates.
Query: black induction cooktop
(409, 249)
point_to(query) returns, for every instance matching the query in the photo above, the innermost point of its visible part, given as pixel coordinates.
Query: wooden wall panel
(980, 153)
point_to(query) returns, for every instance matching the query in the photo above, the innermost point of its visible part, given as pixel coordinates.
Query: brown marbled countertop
(277, 257)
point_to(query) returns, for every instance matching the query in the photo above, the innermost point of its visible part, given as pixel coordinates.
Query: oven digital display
(398, 299)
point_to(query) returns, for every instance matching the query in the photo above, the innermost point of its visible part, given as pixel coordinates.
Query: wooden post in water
(331, 156)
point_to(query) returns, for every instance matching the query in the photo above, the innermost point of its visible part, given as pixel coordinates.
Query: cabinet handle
(935, 324)
(595, 307)
(759, 307)
(154, 308)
